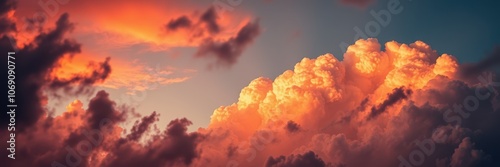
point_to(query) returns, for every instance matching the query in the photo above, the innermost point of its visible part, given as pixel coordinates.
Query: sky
(197, 83)
(300, 29)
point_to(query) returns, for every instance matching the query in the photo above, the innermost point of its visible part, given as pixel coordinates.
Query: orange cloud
(130, 75)
(135, 76)
(158, 25)
(132, 22)
(345, 109)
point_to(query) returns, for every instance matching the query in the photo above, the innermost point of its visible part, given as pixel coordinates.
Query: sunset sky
(236, 69)
(300, 29)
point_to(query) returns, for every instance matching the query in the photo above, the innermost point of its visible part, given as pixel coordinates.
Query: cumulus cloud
(339, 106)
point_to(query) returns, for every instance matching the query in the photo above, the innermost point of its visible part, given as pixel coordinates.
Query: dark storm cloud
(64, 143)
(397, 95)
(206, 22)
(292, 126)
(33, 63)
(300, 160)
(141, 127)
(181, 22)
(68, 140)
(174, 146)
(102, 118)
(228, 51)
(209, 17)
(102, 107)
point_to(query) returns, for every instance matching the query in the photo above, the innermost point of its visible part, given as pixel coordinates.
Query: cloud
(140, 127)
(33, 69)
(78, 135)
(99, 73)
(101, 107)
(465, 155)
(205, 25)
(210, 19)
(292, 126)
(419, 92)
(153, 25)
(132, 76)
(135, 76)
(181, 22)
(227, 52)
(397, 95)
(308, 159)
(173, 146)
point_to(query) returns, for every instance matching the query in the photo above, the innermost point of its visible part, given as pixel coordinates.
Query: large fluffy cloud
(385, 107)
